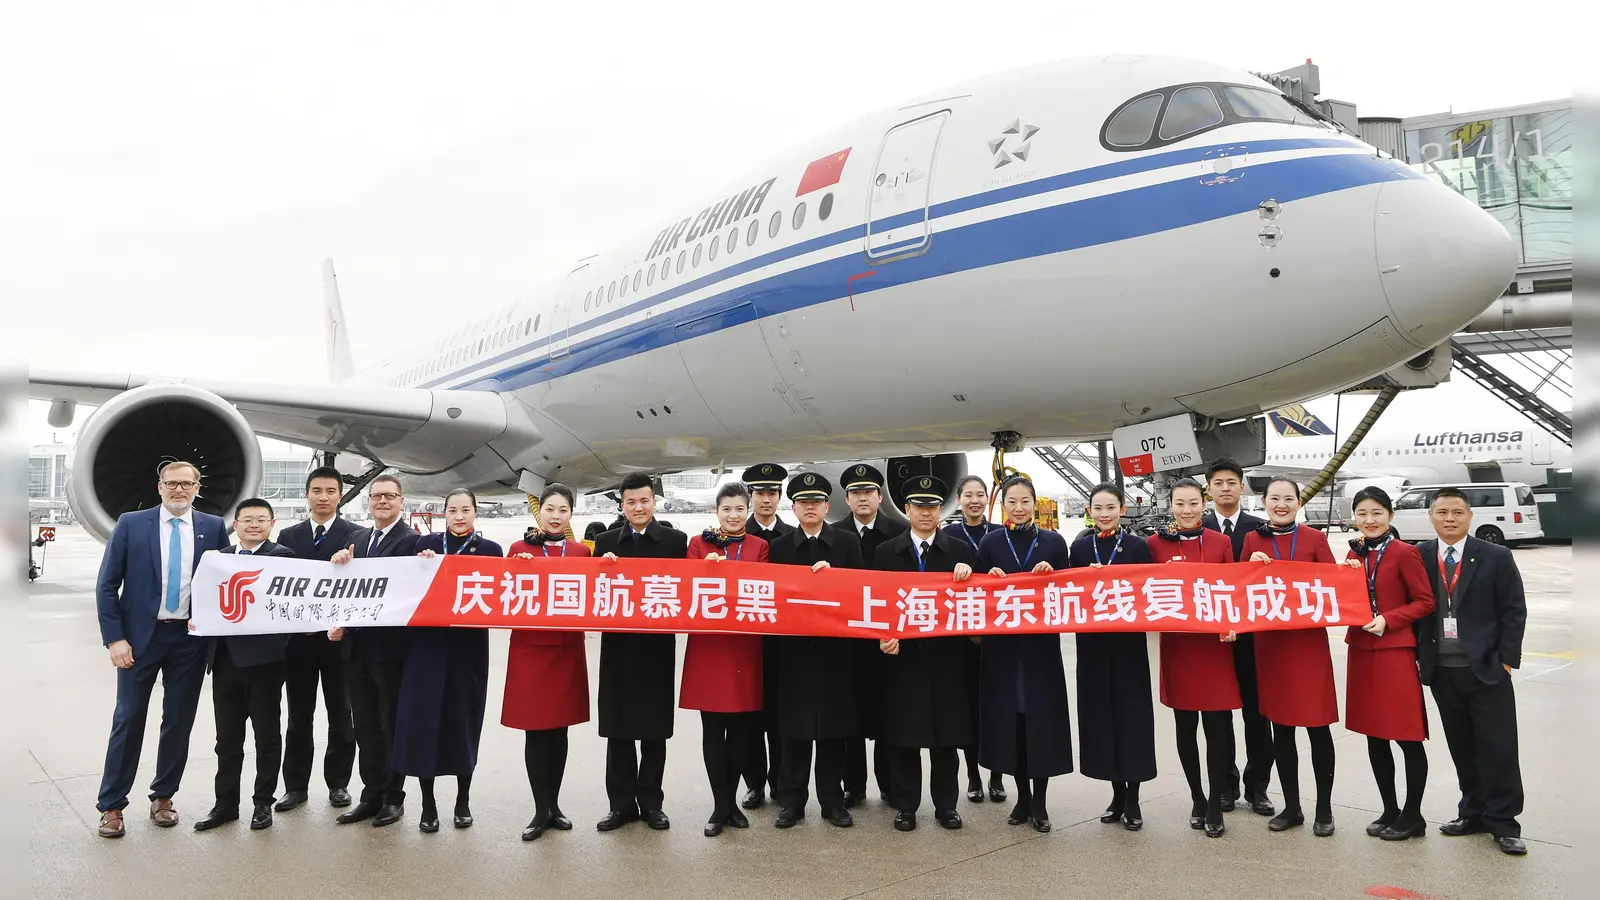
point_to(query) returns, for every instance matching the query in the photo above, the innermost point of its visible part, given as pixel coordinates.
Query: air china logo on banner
(234, 595)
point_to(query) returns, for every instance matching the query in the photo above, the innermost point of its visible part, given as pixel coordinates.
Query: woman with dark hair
(445, 681)
(1116, 722)
(972, 498)
(547, 674)
(722, 675)
(1383, 694)
(1198, 680)
(1025, 728)
(1295, 668)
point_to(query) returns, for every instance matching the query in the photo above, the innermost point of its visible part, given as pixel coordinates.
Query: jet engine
(125, 441)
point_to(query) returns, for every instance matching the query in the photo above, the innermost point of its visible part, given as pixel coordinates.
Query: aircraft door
(1539, 455)
(897, 204)
(561, 315)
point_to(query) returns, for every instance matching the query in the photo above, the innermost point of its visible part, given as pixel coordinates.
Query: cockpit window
(1134, 124)
(1255, 103)
(1192, 109)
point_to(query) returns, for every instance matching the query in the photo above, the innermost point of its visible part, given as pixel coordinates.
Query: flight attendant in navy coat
(446, 679)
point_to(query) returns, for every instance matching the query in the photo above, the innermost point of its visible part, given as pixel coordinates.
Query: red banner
(759, 598)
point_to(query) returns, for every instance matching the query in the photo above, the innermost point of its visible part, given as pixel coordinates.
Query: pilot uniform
(873, 535)
(761, 757)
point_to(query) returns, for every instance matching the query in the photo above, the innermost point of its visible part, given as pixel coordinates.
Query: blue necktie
(174, 565)
(377, 538)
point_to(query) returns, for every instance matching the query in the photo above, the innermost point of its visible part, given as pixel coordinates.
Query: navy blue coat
(128, 590)
(1023, 673)
(248, 650)
(1116, 716)
(443, 689)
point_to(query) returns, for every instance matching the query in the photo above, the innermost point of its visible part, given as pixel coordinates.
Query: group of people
(775, 709)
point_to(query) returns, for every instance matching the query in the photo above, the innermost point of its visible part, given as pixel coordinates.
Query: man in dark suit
(812, 680)
(863, 491)
(1225, 484)
(765, 481)
(313, 658)
(247, 673)
(374, 659)
(1465, 653)
(142, 595)
(925, 692)
(637, 674)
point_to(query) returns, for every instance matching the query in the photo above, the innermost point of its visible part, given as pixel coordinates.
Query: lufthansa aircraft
(1056, 251)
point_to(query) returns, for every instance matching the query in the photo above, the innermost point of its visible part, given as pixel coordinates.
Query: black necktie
(636, 537)
(1227, 527)
(377, 537)
(924, 551)
(316, 538)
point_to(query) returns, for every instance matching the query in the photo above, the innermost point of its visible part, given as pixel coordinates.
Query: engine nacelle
(125, 441)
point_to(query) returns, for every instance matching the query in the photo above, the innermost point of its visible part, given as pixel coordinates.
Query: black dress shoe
(359, 813)
(839, 817)
(947, 818)
(1111, 816)
(1197, 822)
(463, 820)
(1462, 827)
(1285, 820)
(975, 795)
(1400, 831)
(997, 793)
(215, 818)
(851, 799)
(616, 819)
(713, 828)
(736, 819)
(388, 815)
(1511, 846)
(1019, 816)
(905, 820)
(534, 830)
(338, 798)
(1261, 806)
(429, 823)
(559, 821)
(754, 799)
(656, 819)
(1132, 823)
(787, 817)
(1322, 829)
(1042, 825)
(262, 817)
(1215, 831)
(295, 798)
(1377, 826)
(1229, 803)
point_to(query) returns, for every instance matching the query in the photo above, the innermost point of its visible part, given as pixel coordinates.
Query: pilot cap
(809, 486)
(765, 477)
(924, 490)
(862, 477)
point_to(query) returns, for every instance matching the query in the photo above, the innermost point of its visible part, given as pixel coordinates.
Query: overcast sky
(177, 171)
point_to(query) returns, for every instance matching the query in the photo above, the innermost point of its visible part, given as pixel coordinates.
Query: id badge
(1450, 628)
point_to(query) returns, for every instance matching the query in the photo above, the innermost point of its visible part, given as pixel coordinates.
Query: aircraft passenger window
(711, 251)
(682, 255)
(636, 275)
(586, 304)
(696, 261)
(666, 268)
(1256, 103)
(733, 240)
(775, 224)
(536, 320)
(650, 275)
(825, 207)
(1134, 123)
(751, 232)
(799, 215)
(624, 291)
(1191, 109)
(611, 292)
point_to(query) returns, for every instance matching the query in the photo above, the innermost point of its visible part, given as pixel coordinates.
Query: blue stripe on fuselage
(1066, 226)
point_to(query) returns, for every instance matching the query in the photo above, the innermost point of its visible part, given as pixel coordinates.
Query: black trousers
(905, 777)
(633, 779)
(794, 773)
(762, 753)
(1258, 752)
(1480, 726)
(374, 695)
(254, 694)
(724, 742)
(855, 772)
(312, 658)
(180, 662)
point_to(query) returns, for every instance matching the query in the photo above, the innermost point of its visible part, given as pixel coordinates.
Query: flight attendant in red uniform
(1295, 668)
(547, 674)
(1383, 694)
(722, 672)
(1198, 680)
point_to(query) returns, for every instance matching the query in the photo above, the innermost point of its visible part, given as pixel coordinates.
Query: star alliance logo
(1013, 143)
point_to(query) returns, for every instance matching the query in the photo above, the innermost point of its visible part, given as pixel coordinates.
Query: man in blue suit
(143, 600)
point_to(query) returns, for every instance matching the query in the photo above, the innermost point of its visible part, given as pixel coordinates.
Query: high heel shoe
(1405, 832)
(429, 823)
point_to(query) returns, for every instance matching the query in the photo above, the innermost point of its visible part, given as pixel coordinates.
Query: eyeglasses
(180, 485)
(386, 495)
(254, 521)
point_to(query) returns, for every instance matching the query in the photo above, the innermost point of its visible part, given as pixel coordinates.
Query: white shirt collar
(244, 549)
(325, 525)
(1222, 518)
(187, 517)
(809, 534)
(764, 526)
(863, 527)
(383, 531)
(915, 541)
(1460, 547)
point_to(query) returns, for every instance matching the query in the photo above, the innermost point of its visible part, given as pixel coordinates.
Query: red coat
(722, 672)
(547, 672)
(1383, 694)
(1294, 669)
(1196, 669)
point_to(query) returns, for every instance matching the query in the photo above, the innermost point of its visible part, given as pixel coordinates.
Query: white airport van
(1502, 513)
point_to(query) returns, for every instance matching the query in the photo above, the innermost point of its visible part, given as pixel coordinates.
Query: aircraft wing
(412, 429)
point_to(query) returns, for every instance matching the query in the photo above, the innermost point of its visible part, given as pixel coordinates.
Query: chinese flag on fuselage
(823, 173)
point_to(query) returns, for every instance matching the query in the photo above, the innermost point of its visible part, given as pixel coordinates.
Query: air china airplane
(898, 290)
(1478, 448)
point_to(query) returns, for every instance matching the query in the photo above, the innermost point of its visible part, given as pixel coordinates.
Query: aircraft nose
(1441, 259)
